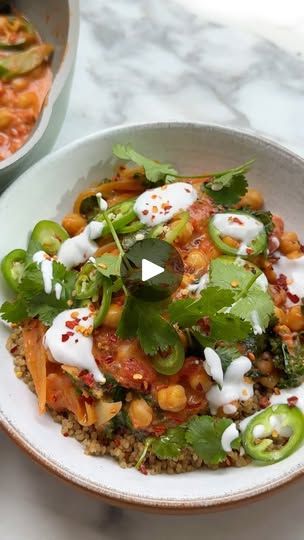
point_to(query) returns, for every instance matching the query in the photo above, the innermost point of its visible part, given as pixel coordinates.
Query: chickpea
(197, 260)
(253, 199)
(20, 83)
(294, 319)
(73, 223)
(278, 226)
(185, 234)
(289, 242)
(140, 413)
(265, 366)
(231, 242)
(295, 254)
(173, 398)
(27, 100)
(113, 316)
(6, 118)
(279, 314)
(270, 381)
(200, 379)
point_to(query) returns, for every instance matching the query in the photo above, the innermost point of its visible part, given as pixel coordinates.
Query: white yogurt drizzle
(238, 226)
(293, 269)
(230, 434)
(159, 205)
(46, 266)
(234, 387)
(76, 349)
(213, 365)
(77, 250)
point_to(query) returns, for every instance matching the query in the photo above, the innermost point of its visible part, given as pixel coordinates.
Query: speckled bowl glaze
(47, 190)
(57, 22)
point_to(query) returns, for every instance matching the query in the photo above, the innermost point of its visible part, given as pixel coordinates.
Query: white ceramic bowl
(47, 190)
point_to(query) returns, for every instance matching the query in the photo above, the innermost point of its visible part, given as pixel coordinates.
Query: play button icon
(152, 270)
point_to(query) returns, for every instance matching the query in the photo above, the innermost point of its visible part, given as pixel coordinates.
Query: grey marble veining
(143, 60)
(151, 60)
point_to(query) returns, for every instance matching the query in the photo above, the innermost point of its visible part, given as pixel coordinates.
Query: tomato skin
(123, 359)
(200, 212)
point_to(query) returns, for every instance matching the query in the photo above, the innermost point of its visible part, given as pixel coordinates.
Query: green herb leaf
(33, 301)
(109, 265)
(228, 327)
(204, 434)
(170, 445)
(264, 216)
(187, 312)
(13, 312)
(227, 355)
(144, 320)
(155, 172)
(256, 308)
(228, 187)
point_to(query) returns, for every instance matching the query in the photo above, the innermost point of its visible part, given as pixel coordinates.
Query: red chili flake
(237, 220)
(264, 402)
(109, 359)
(154, 209)
(302, 248)
(145, 212)
(85, 318)
(72, 324)
(76, 340)
(66, 336)
(88, 379)
(153, 197)
(143, 469)
(293, 297)
(117, 442)
(292, 401)
(282, 282)
(167, 206)
(89, 400)
(65, 434)
(13, 349)
(188, 190)
(159, 430)
(249, 251)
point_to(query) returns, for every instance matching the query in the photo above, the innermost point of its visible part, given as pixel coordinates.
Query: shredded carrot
(105, 248)
(108, 189)
(36, 358)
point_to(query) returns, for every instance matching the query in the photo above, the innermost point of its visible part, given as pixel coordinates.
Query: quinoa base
(125, 447)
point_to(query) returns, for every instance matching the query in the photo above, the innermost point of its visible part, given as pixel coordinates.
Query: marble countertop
(141, 60)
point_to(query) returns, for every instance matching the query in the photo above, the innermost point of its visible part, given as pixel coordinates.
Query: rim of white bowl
(114, 496)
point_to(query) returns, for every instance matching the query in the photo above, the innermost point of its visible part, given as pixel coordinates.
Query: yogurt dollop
(159, 205)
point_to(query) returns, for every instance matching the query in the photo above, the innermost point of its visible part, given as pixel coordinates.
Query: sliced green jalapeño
(170, 362)
(12, 268)
(255, 246)
(47, 236)
(274, 434)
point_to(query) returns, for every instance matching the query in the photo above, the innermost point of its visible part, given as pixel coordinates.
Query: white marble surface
(214, 61)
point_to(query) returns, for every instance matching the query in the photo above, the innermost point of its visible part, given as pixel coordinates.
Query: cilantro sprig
(155, 172)
(33, 301)
(201, 434)
(225, 187)
(233, 302)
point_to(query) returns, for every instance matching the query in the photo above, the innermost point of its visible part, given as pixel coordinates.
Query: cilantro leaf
(256, 308)
(14, 312)
(227, 355)
(154, 171)
(144, 320)
(188, 311)
(226, 272)
(169, 445)
(33, 301)
(228, 327)
(204, 434)
(228, 187)
(108, 265)
(264, 216)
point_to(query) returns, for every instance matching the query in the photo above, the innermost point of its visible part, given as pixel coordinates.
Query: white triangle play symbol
(150, 270)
